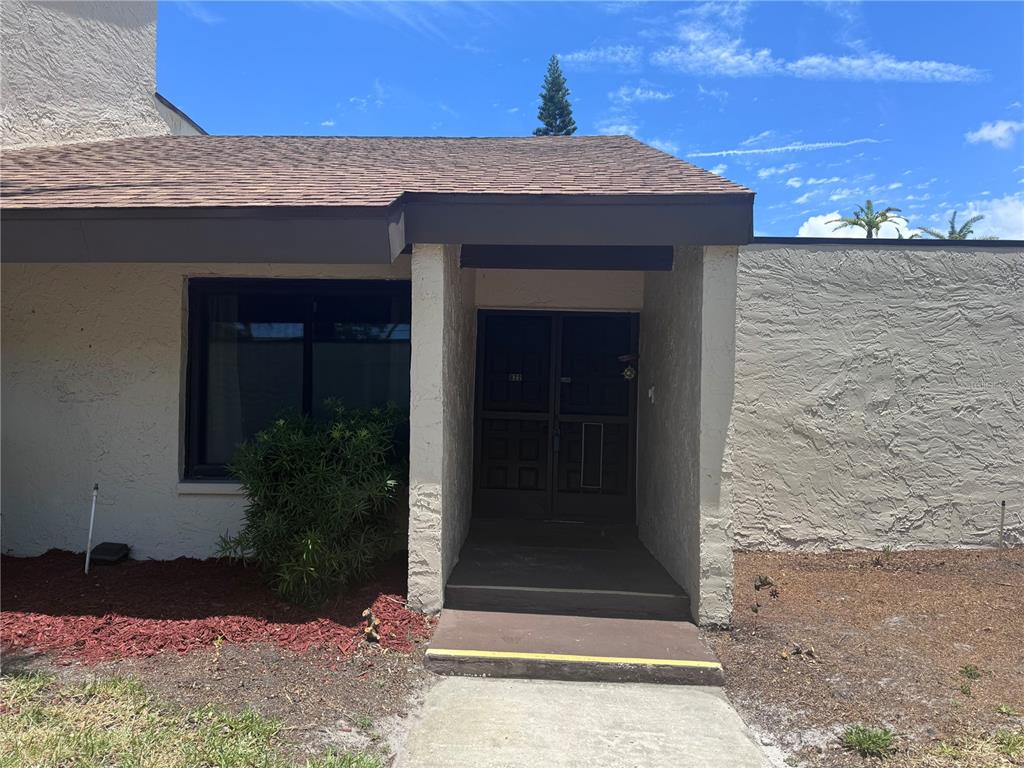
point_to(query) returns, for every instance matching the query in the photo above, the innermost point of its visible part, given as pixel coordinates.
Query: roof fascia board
(176, 240)
(539, 222)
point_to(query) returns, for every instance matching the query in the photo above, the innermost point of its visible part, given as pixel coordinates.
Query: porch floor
(566, 602)
(568, 569)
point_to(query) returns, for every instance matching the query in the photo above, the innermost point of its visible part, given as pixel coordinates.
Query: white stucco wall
(559, 289)
(685, 401)
(441, 418)
(668, 419)
(879, 396)
(77, 71)
(92, 377)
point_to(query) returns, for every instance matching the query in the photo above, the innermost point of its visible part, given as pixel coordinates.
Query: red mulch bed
(141, 608)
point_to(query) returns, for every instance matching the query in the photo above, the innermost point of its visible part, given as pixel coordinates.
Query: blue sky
(815, 106)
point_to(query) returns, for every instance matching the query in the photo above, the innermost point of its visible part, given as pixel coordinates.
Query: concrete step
(539, 646)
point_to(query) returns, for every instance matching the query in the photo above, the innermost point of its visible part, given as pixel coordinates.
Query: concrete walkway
(486, 723)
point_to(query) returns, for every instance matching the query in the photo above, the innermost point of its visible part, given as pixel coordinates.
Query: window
(258, 348)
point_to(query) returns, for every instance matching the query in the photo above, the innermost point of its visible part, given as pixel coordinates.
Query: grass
(1010, 743)
(867, 741)
(1002, 749)
(970, 671)
(113, 722)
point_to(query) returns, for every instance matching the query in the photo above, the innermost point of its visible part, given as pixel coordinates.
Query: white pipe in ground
(92, 519)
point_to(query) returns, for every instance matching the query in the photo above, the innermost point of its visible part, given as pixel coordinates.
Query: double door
(555, 418)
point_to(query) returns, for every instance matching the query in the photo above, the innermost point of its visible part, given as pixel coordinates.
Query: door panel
(555, 416)
(590, 377)
(517, 363)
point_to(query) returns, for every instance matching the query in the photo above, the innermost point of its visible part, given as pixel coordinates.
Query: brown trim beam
(604, 257)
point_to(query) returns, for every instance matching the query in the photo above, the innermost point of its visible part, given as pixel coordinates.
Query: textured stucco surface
(879, 396)
(92, 374)
(441, 419)
(668, 419)
(717, 371)
(686, 389)
(459, 368)
(77, 71)
(559, 289)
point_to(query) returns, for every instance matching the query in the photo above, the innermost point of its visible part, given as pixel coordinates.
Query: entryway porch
(567, 439)
(566, 601)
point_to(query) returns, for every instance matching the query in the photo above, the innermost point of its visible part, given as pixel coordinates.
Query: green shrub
(320, 500)
(869, 742)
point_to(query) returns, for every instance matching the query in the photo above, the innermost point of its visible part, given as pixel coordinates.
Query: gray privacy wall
(879, 396)
(441, 418)
(685, 393)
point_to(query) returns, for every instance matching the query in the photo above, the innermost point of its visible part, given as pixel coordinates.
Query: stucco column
(440, 418)
(717, 370)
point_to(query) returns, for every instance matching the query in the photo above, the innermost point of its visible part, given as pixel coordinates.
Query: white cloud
(880, 67)
(611, 128)
(719, 169)
(831, 180)
(1001, 133)
(703, 55)
(818, 226)
(377, 96)
(755, 139)
(776, 170)
(613, 55)
(843, 194)
(804, 198)
(711, 43)
(327, 123)
(627, 95)
(1004, 216)
(895, 185)
(199, 12)
(664, 145)
(796, 147)
(719, 94)
(795, 182)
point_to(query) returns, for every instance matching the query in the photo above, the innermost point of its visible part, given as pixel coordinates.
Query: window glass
(360, 352)
(260, 348)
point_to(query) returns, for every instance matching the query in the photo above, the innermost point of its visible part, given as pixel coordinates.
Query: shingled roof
(305, 171)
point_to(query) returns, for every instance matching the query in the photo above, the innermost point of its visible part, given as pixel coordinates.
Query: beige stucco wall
(668, 419)
(441, 418)
(559, 289)
(77, 71)
(685, 401)
(92, 376)
(879, 396)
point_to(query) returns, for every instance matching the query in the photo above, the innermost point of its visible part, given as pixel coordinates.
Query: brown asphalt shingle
(241, 171)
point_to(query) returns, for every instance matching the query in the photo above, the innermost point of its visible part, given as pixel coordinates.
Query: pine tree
(555, 110)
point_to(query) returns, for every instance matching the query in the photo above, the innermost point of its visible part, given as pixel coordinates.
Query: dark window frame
(196, 376)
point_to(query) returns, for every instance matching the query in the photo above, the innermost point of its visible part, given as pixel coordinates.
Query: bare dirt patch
(927, 644)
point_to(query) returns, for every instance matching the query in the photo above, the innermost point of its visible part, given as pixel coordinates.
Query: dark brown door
(556, 397)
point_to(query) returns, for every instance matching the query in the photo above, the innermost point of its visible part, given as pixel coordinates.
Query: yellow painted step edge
(571, 657)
